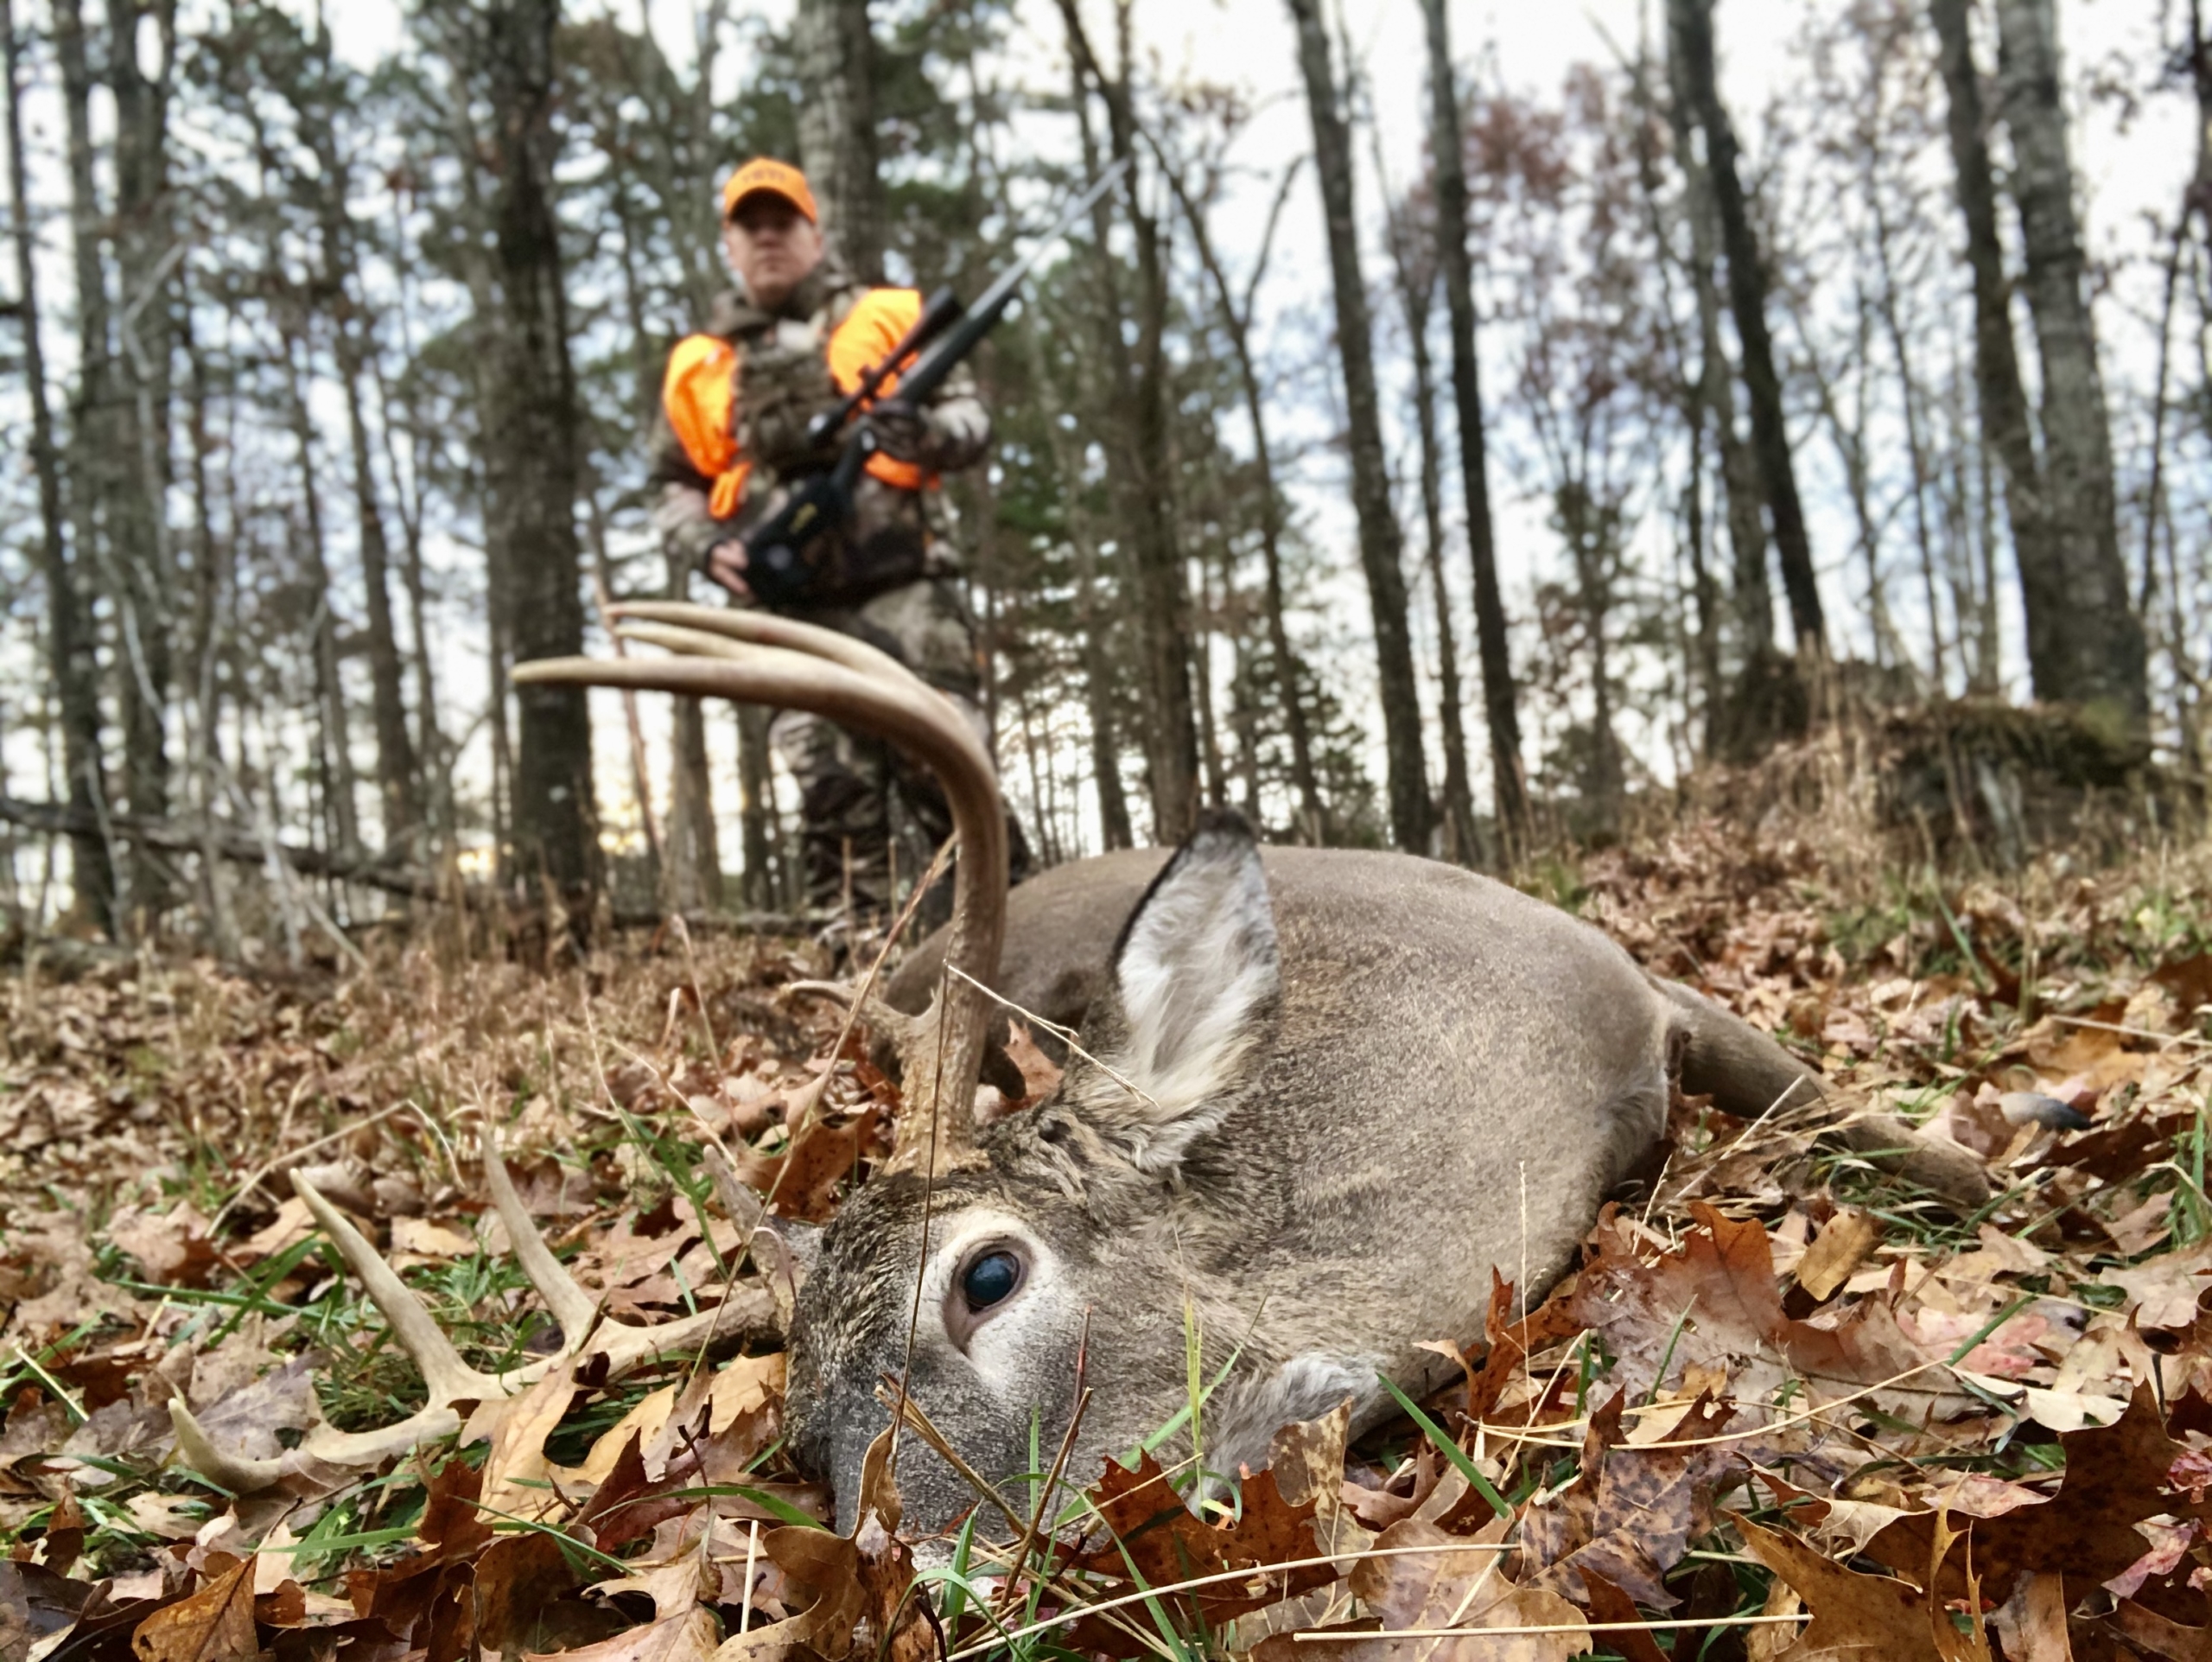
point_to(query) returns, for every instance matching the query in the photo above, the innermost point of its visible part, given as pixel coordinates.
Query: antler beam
(755, 658)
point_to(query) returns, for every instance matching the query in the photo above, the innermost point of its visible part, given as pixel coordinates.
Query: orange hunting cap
(765, 175)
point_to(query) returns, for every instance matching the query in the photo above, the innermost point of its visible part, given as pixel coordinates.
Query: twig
(1314, 1636)
(1067, 1618)
(1043, 1504)
(1510, 1434)
(1065, 1036)
(910, 1413)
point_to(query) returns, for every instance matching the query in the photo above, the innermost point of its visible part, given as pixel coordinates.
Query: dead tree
(1691, 27)
(2094, 636)
(1379, 549)
(1500, 701)
(69, 633)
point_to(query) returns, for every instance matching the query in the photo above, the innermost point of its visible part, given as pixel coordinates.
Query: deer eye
(990, 1279)
(984, 1284)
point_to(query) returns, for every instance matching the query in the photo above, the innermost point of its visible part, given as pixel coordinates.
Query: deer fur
(1318, 1097)
(1371, 1079)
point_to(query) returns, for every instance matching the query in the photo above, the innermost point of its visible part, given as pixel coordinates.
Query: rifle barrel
(958, 342)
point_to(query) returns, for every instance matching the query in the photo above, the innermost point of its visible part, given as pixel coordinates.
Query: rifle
(783, 554)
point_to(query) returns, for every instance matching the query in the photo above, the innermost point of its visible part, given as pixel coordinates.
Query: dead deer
(1317, 1097)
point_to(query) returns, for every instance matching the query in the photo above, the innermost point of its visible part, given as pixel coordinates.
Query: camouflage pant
(846, 780)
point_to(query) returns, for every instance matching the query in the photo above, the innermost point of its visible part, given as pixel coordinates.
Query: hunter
(737, 404)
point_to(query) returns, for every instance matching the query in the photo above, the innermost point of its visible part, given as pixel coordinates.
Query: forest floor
(1786, 1403)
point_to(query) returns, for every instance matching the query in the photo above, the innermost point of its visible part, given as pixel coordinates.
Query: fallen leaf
(213, 1625)
(515, 1472)
(690, 1636)
(2149, 1631)
(2165, 1289)
(2115, 1476)
(422, 1239)
(1458, 1589)
(2031, 1624)
(1840, 1247)
(1308, 1462)
(1040, 1075)
(1714, 1301)
(1853, 1613)
(1144, 1518)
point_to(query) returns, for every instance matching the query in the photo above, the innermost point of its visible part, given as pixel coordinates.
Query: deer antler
(755, 658)
(746, 1310)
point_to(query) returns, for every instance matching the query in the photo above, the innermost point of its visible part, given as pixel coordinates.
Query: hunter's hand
(902, 431)
(726, 565)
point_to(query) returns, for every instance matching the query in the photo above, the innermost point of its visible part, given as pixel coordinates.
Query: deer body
(1374, 1078)
(1319, 1097)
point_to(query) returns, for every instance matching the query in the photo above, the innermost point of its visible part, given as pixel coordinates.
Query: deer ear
(1197, 976)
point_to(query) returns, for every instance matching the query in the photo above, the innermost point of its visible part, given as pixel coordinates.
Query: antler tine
(448, 1379)
(445, 1376)
(325, 1445)
(624, 1344)
(572, 1307)
(197, 1451)
(938, 1128)
(766, 629)
(745, 1311)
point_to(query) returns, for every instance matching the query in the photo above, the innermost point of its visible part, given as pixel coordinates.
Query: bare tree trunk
(1999, 390)
(2101, 639)
(1753, 593)
(322, 626)
(1691, 29)
(71, 646)
(693, 868)
(1850, 434)
(1701, 657)
(1093, 626)
(430, 746)
(1916, 442)
(1500, 708)
(1379, 545)
(1236, 321)
(836, 128)
(143, 238)
(211, 582)
(1416, 295)
(532, 439)
(1139, 398)
(756, 809)
(398, 781)
(1216, 775)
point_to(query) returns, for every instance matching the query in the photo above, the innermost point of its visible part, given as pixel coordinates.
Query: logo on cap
(764, 175)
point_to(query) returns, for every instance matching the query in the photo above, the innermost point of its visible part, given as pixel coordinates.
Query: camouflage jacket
(779, 376)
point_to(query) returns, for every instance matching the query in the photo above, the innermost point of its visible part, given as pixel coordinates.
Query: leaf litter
(1785, 1407)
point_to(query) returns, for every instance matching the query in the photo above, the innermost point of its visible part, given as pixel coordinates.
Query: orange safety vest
(699, 392)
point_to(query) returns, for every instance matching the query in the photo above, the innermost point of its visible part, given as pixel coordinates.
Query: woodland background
(1465, 512)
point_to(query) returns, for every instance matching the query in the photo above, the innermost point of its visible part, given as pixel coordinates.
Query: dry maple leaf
(1715, 1303)
(1511, 1343)
(2147, 1630)
(1463, 1589)
(213, 1625)
(806, 1177)
(1853, 1614)
(1147, 1528)
(2116, 1476)
(690, 1636)
(1628, 1515)
(819, 1574)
